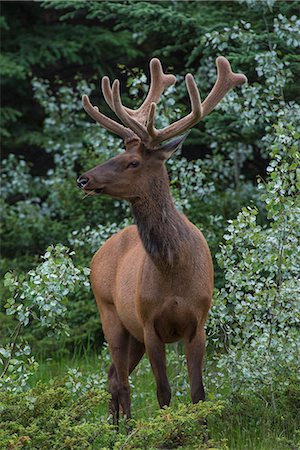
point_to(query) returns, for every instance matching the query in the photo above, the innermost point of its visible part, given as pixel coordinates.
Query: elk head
(128, 175)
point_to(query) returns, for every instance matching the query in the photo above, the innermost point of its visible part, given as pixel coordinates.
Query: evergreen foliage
(50, 416)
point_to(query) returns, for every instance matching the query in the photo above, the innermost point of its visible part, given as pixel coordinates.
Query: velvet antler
(140, 123)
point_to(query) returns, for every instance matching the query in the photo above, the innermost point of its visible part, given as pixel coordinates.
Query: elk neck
(164, 231)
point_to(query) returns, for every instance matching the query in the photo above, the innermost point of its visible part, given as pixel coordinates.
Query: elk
(153, 281)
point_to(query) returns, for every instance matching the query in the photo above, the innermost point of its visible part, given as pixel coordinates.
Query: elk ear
(166, 150)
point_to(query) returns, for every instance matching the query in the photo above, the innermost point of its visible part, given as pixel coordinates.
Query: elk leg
(113, 406)
(195, 350)
(135, 354)
(155, 349)
(118, 340)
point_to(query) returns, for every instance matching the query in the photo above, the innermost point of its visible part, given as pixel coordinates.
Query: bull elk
(153, 281)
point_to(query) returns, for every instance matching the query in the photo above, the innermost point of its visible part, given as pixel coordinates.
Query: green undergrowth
(66, 408)
(51, 416)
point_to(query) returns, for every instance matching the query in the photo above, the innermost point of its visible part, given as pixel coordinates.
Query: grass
(245, 424)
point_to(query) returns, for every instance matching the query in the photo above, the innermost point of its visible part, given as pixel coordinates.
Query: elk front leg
(118, 340)
(135, 354)
(155, 349)
(195, 350)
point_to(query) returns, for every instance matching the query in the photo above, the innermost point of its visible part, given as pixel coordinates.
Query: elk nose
(82, 181)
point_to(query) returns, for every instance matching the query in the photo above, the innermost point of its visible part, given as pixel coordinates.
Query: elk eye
(133, 164)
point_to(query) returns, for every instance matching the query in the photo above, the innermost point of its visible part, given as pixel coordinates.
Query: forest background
(237, 179)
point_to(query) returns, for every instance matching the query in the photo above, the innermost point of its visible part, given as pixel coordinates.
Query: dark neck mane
(163, 230)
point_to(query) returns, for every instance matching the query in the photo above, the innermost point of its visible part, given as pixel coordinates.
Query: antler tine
(181, 125)
(106, 90)
(108, 123)
(124, 116)
(159, 82)
(150, 122)
(226, 80)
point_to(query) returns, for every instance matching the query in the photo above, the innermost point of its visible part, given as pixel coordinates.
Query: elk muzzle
(97, 178)
(86, 183)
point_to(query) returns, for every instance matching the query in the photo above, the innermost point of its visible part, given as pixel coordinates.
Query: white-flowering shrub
(43, 293)
(68, 131)
(80, 384)
(16, 365)
(256, 316)
(255, 106)
(94, 238)
(40, 296)
(287, 29)
(15, 177)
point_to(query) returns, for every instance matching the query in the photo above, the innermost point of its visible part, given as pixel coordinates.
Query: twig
(87, 194)
(18, 329)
